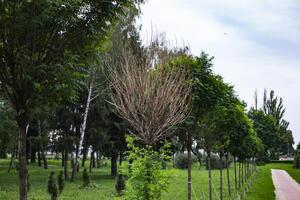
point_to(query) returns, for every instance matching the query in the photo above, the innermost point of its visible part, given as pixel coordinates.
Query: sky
(256, 43)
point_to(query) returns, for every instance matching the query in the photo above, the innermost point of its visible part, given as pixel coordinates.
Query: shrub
(60, 182)
(120, 184)
(181, 160)
(52, 187)
(146, 180)
(85, 178)
(297, 161)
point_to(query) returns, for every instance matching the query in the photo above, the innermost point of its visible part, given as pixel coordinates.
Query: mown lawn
(103, 184)
(263, 188)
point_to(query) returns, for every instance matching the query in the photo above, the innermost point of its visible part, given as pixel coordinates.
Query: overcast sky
(256, 43)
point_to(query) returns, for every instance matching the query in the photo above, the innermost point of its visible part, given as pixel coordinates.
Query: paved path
(286, 188)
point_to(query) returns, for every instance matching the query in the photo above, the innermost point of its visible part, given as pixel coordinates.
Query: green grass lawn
(103, 189)
(263, 186)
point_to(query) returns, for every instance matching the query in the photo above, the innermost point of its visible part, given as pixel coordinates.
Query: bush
(120, 184)
(297, 161)
(85, 178)
(146, 179)
(52, 187)
(215, 162)
(282, 161)
(61, 182)
(181, 160)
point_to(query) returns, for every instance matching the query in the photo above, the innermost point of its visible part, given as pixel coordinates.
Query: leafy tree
(207, 91)
(41, 59)
(267, 130)
(8, 130)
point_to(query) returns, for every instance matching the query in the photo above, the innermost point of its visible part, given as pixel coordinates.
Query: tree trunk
(242, 172)
(91, 161)
(39, 158)
(62, 158)
(221, 176)
(94, 159)
(209, 176)
(32, 154)
(235, 176)
(228, 176)
(53, 197)
(189, 149)
(99, 159)
(83, 125)
(85, 151)
(45, 161)
(113, 171)
(66, 158)
(23, 172)
(12, 159)
(120, 158)
(239, 174)
(75, 164)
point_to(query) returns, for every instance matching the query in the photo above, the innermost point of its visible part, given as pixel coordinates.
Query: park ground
(103, 185)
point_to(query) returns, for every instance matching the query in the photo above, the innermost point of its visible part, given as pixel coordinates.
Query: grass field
(103, 184)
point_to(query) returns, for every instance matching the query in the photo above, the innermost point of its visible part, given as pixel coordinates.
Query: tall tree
(208, 90)
(40, 58)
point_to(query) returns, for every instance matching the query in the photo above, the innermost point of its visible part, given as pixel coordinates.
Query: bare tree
(150, 96)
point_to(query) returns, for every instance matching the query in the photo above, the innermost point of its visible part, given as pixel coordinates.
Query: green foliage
(181, 160)
(297, 157)
(8, 129)
(85, 178)
(267, 130)
(61, 182)
(120, 183)
(146, 180)
(52, 186)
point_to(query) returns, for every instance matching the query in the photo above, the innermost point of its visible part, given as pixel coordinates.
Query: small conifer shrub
(60, 182)
(120, 184)
(52, 187)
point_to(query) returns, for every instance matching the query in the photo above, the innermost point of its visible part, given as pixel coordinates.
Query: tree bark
(45, 161)
(66, 158)
(75, 164)
(83, 126)
(209, 176)
(32, 154)
(41, 147)
(239, 174)
(228, 176)
(242, 172)
(189, 149)
(91, 161)
(23, 171)
(235, 176)
(85, 151)
(120, 158)
(221, 176)
(62, 158)
(113, 171)
(39, 158)
(12, 159)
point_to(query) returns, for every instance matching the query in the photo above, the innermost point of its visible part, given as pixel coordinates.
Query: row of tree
(76, 77)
